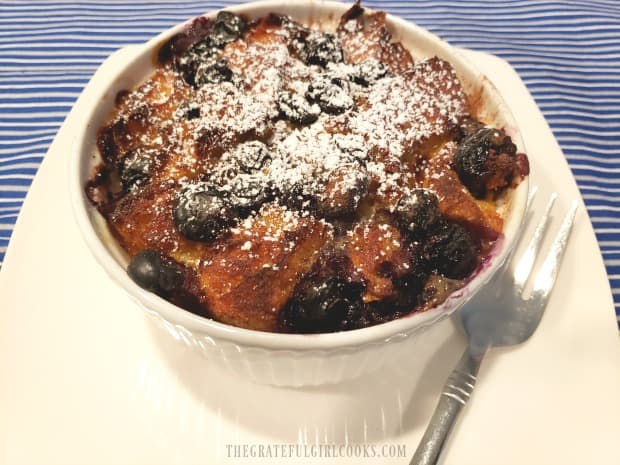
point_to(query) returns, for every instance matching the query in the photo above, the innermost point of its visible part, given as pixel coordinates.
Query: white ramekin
(289, 359)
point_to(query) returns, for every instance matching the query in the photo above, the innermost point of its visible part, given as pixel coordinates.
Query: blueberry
(109, 140)
(320, 49)
(150, 272)
(203, 49)
(450, 250)
(170, 278)
(201, 212)
(248, 192)
(329, 95)
(369, 72)
(173, 48)
(410, 284)
(323, 306)
(135, 169)
(485, 159)
(145, 268)
(212, 71)
(251, 156)
(228, 27)
(295, 108)
(201, 52)
(416, 212)
(468, 127)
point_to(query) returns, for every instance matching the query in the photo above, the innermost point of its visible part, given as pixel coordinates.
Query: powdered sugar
(363, 122)
(402, 111)
(365, 126)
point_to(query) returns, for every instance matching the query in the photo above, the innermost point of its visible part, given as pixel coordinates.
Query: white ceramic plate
(84, 379)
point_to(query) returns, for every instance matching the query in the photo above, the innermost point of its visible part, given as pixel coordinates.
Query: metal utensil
(500, 316)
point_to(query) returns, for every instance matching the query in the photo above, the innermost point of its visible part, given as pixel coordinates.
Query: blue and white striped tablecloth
(567, 52)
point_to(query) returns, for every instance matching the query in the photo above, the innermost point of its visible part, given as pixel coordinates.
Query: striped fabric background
(567, 52)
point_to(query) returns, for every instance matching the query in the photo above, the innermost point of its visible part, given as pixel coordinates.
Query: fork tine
(530, 198)
(528, 210)
(526, 263)
(549, 269)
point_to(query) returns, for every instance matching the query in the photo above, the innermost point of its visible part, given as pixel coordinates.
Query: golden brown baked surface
(281, 178)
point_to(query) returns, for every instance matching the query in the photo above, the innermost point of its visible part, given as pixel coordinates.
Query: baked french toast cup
(296, 358)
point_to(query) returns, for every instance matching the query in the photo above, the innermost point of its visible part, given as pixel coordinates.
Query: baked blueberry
(170, 278)
(415, 213)
(201, 212)
(468, 127)
(144, 269)
(450, 250)
(297, 109)
(323, 306)
(321, 48)
(410, 283)
(248, 192)
(368, 72)
(485, 159)
(213, 71)
(135, 169)
(329, 94)
(228, 27)
(251, 156)
(204, 51)
(174, 48)
(150, 272)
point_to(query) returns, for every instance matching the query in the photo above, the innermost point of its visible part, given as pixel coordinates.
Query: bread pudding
(280, 177)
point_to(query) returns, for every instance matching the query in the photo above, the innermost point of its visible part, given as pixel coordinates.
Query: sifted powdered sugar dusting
(392, 115)
(403, 111)
(229, 110)
(360, 110)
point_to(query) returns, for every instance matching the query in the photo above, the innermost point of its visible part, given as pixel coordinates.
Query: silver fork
(500, 316)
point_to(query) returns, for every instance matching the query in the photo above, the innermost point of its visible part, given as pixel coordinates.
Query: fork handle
(454, 396)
